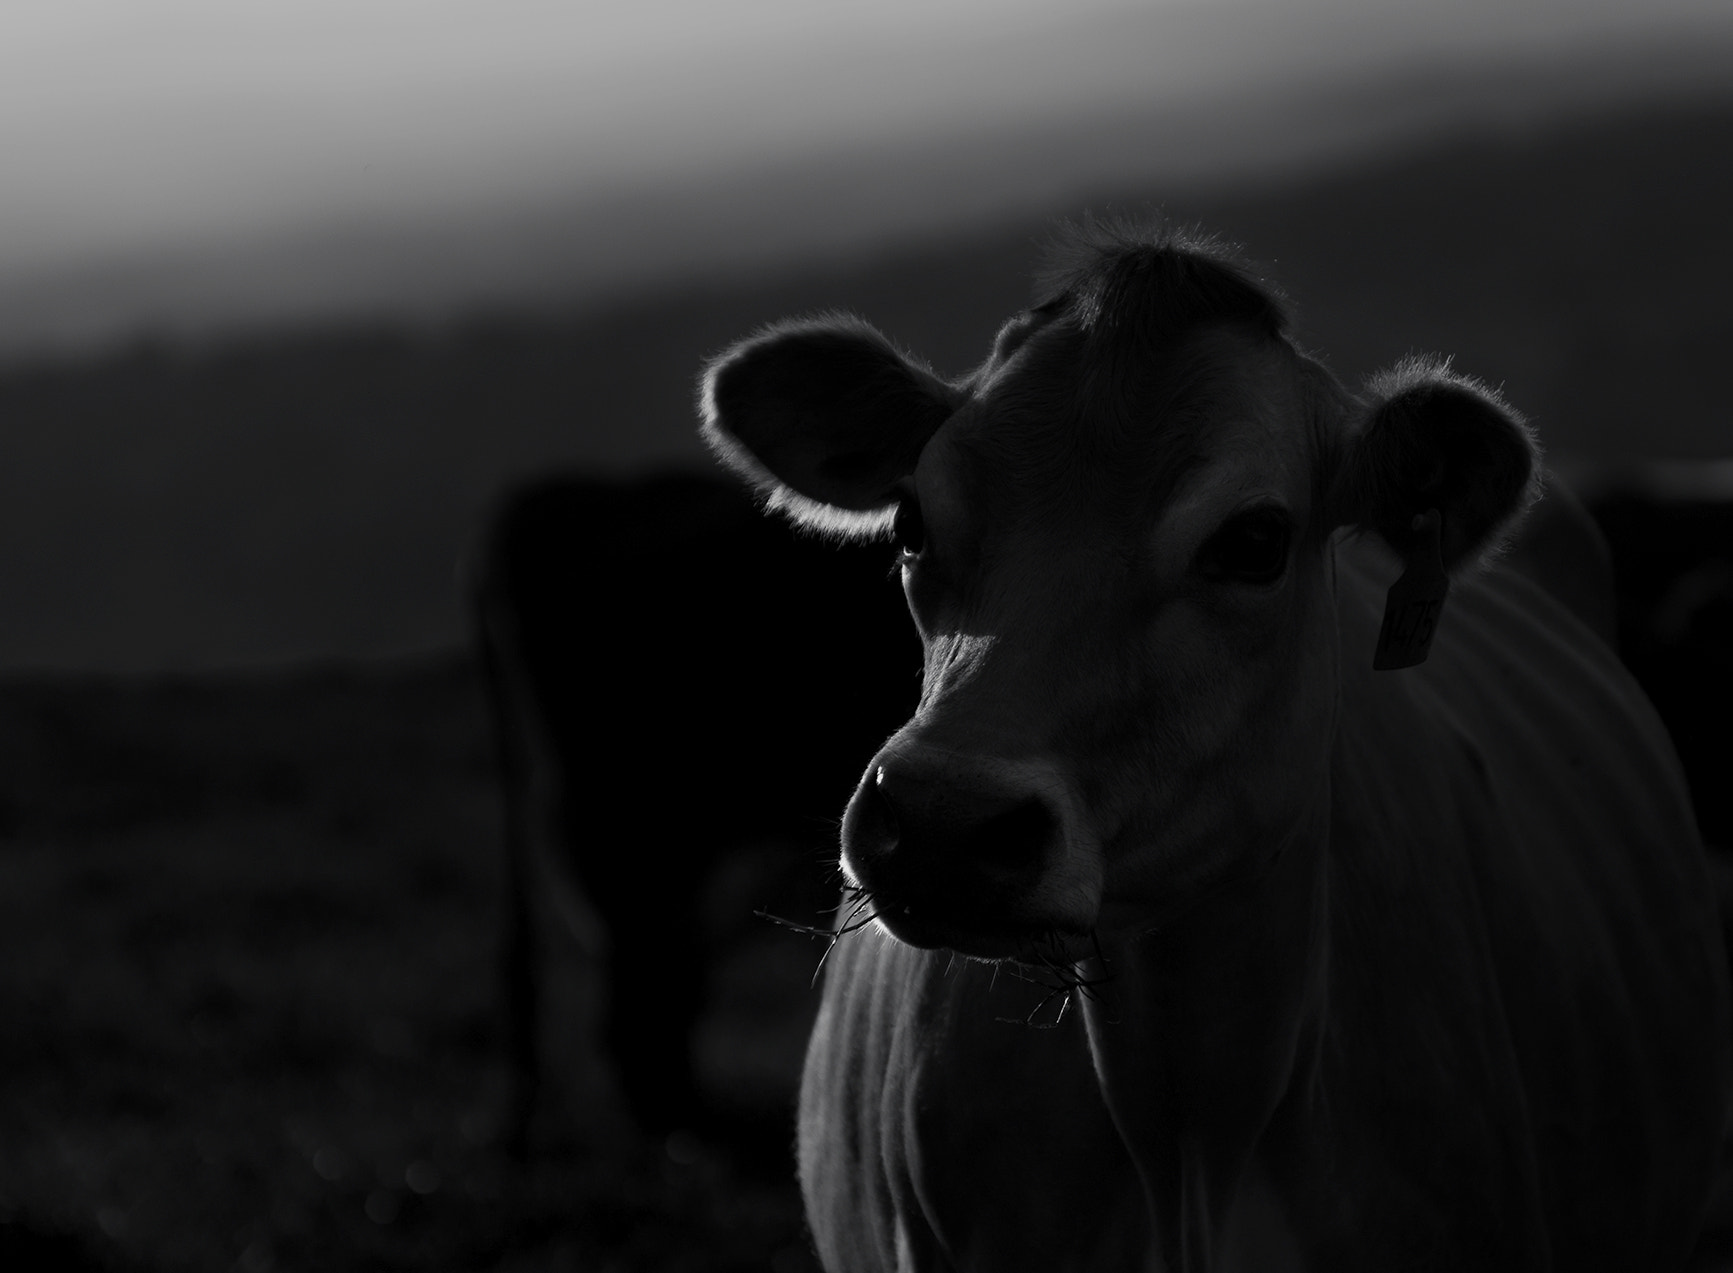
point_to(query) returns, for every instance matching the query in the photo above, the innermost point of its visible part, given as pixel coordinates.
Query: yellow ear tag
(1415, 601)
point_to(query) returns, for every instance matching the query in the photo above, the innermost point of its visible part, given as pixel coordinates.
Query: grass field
(247, 933)
(246, 1015)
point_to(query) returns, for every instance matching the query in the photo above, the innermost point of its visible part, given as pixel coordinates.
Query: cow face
(1114, 537)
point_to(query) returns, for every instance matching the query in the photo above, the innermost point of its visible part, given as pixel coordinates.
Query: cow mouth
(993, 939)
(1038, 919)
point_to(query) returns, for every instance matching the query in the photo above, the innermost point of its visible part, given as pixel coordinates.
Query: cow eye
(1252, 547)
(908, 529)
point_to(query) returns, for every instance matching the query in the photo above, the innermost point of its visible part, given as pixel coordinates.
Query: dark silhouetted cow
(673, 678)
(1670, 527)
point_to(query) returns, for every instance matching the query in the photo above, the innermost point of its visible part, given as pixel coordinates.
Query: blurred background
(291, 295)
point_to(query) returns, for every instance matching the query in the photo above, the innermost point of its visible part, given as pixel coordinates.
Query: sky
(234, 154)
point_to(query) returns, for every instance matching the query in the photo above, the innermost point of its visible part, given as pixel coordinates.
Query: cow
(1357, 967)
(665, 694)
(1670, 531)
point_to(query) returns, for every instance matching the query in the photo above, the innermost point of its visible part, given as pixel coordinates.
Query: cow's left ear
(1431, 439)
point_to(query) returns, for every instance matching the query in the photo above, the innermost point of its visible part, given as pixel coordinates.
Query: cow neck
(1204, 1027)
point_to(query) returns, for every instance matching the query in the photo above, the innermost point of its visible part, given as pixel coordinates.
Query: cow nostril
(897, 826)
(874, 818)
(1014, 839)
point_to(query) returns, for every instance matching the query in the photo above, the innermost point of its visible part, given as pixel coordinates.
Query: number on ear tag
(1415, 601)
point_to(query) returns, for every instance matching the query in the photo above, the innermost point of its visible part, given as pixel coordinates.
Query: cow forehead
(1055, 428)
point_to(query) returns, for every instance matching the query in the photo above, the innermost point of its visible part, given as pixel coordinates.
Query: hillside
(311, 494)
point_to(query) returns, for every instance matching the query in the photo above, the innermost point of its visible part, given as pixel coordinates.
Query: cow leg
(520, 994)
(519, 954)
(656, 987)
(648, 890)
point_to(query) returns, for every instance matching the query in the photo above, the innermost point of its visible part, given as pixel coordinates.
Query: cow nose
(1002, 835)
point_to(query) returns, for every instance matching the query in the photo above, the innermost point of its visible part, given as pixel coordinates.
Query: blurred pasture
(249, 926)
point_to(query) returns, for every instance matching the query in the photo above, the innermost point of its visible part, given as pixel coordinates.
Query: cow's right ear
(823, 416)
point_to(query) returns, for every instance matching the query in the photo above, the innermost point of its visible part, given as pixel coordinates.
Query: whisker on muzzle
(857, 911)
(1047, 965)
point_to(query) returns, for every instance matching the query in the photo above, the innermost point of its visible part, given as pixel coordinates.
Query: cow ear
(1431, 439)
(825, 417)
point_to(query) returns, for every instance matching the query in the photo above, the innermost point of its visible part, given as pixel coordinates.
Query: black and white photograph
(945, 637)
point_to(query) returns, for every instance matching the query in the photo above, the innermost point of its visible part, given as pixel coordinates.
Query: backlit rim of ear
(827, 520)
(811, 421)
(1432, 437)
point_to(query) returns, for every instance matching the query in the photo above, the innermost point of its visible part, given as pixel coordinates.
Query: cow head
(1115, 539)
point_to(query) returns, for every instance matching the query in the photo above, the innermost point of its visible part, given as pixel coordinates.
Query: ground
(247, 1022)
(247, 928)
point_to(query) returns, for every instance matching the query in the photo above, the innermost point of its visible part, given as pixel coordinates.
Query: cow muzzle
(984, 857)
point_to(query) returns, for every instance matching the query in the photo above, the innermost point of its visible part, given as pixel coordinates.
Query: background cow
(673, 680)
(1670, 530)
(1385, 969)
